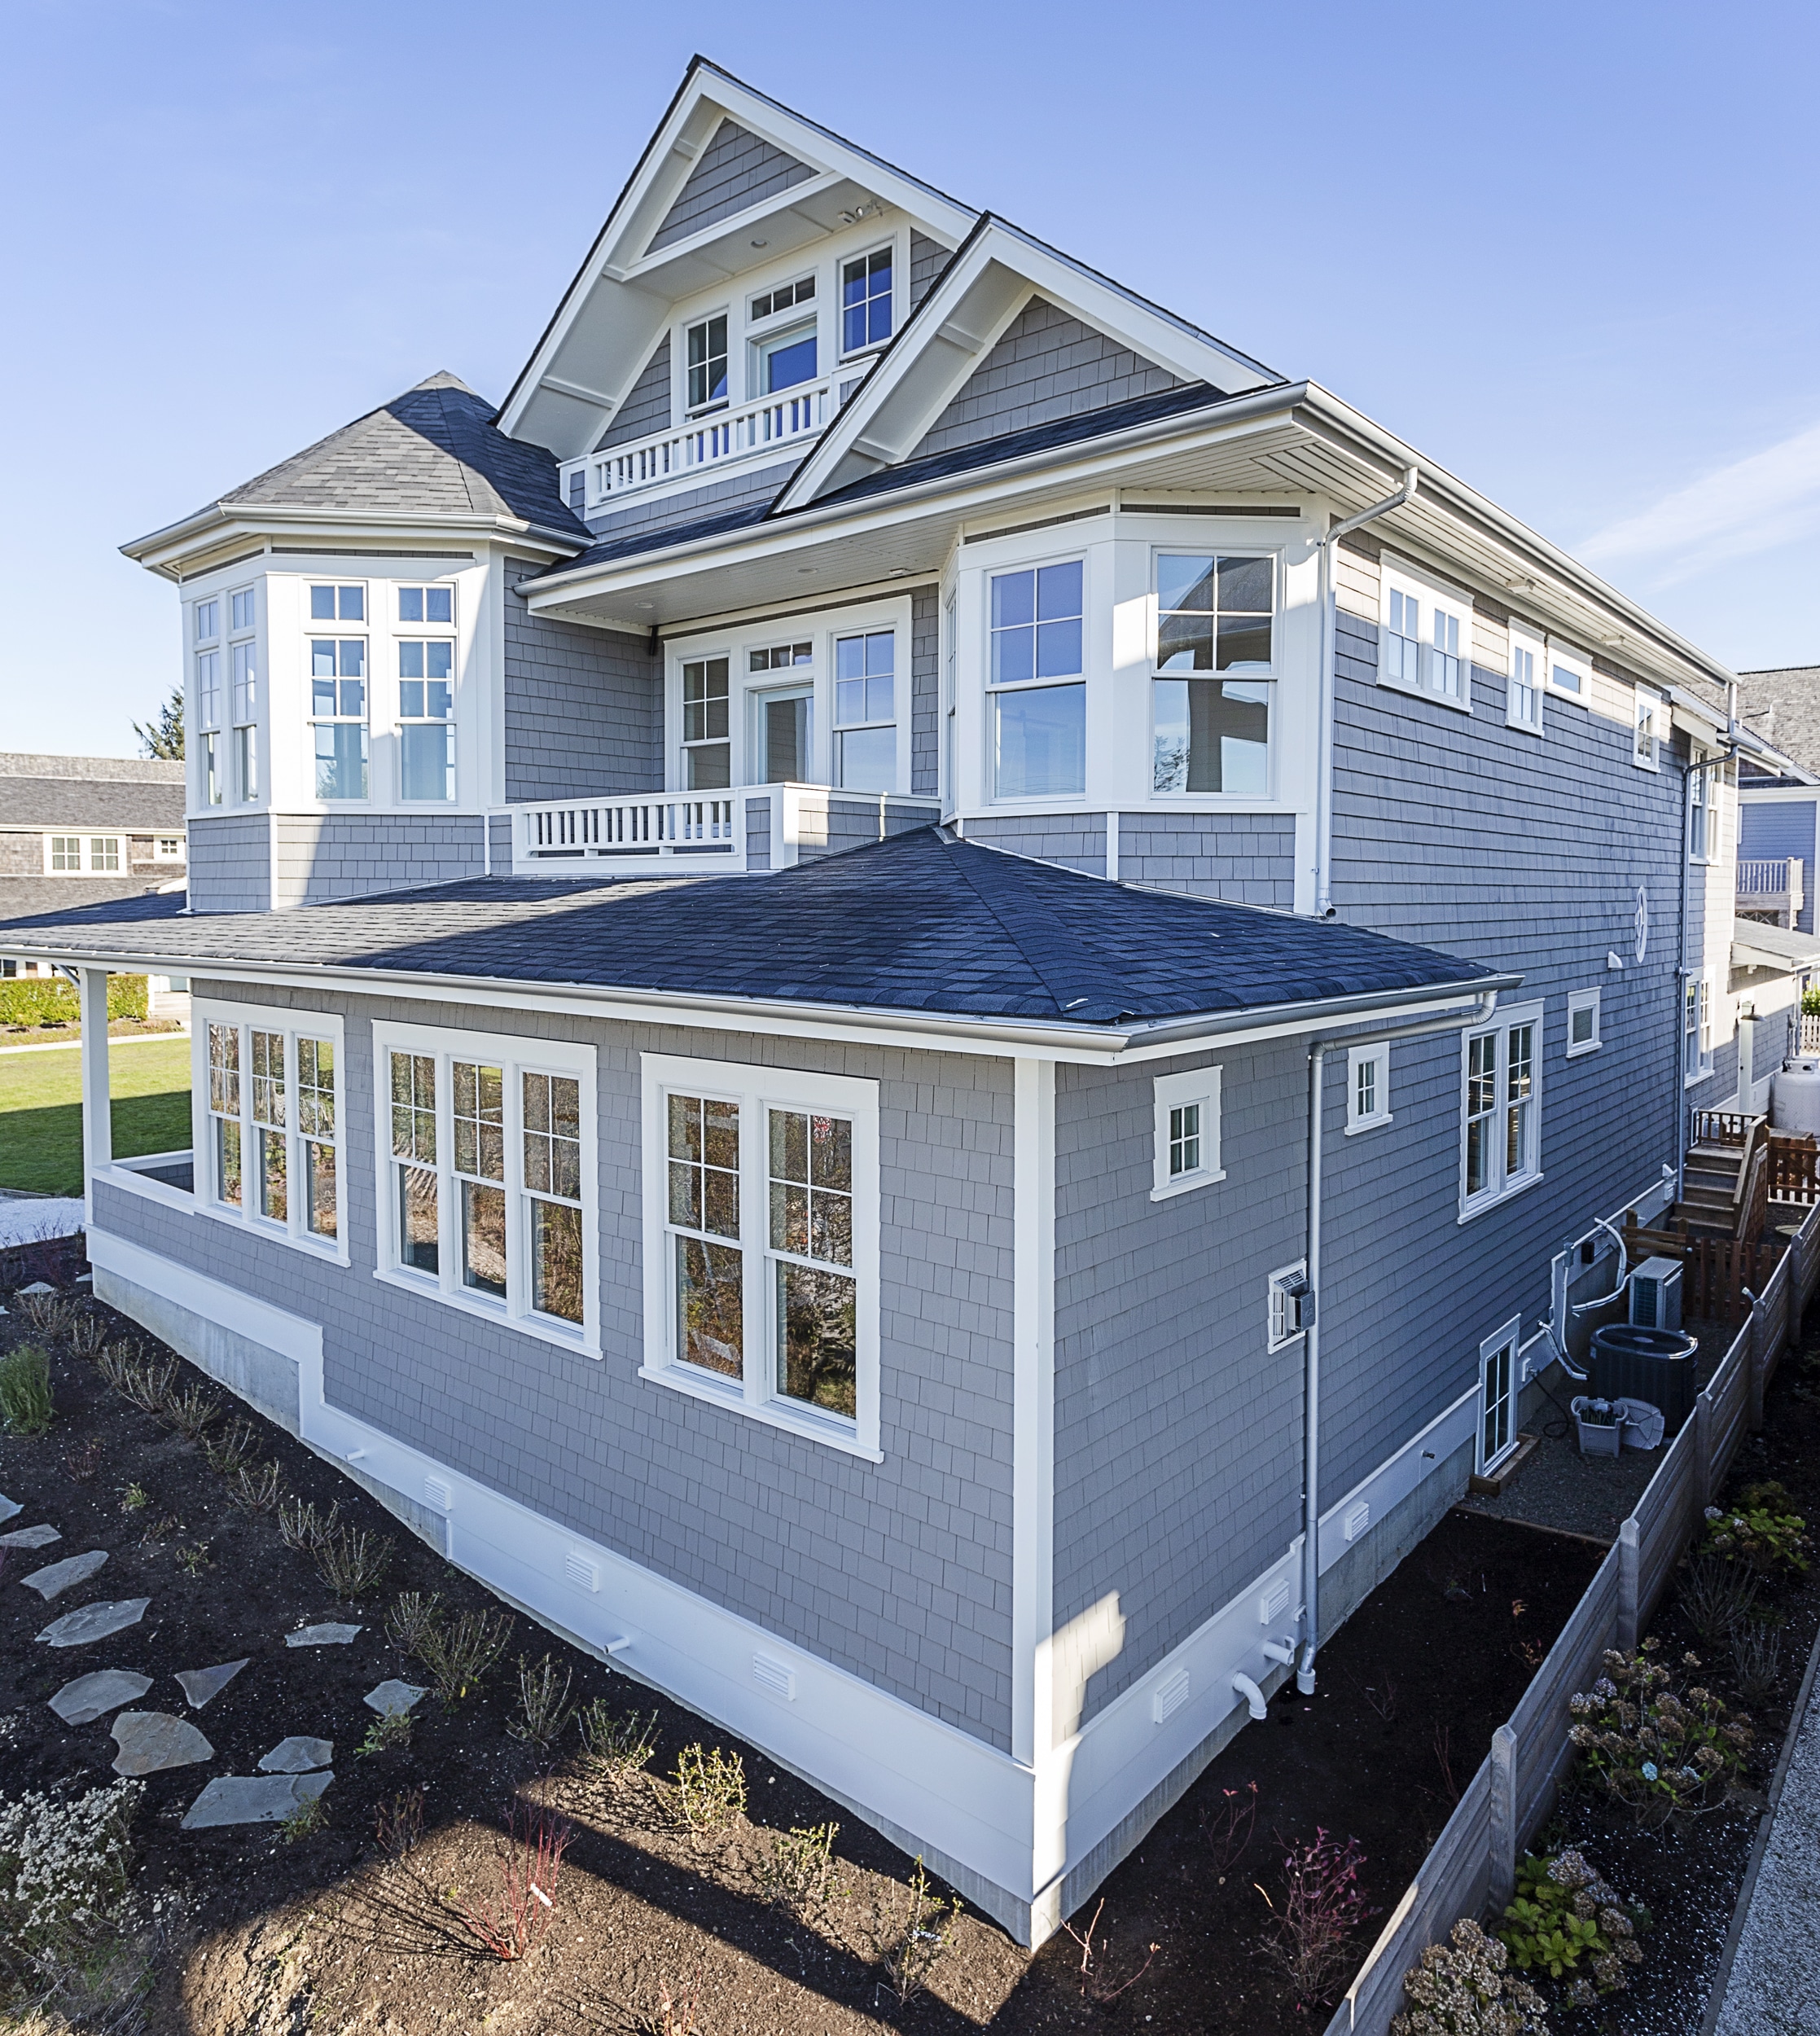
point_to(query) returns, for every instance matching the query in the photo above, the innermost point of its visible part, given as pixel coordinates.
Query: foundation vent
(774, 1678)
(1272, 1602)
(580, 1569)
(1171, 1694)
(1358, 1518)
(437, 1493)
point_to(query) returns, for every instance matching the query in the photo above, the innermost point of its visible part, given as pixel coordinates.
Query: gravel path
(1775, 1987)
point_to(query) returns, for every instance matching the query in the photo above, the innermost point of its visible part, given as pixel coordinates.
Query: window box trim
(1395, 575)
(1196, 1084)
(1580, 1000)
(757, 1088)
(516, 1054)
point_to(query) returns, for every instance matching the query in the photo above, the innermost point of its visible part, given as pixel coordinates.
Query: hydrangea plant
(1568, 1922)
(1762, 1529)
(1462, 1988)
(1661, 1750)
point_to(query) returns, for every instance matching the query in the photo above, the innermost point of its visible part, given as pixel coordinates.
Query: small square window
(1367, 1087)
(338, 605)
(1582, 1022)
(167, 848)
(426, 604)
(1187, 1132)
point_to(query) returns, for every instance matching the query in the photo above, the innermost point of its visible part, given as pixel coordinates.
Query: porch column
(97, 1127)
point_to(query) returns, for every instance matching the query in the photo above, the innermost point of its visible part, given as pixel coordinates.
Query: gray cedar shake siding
(925, 694)
(1044, 366)
(898, 1571)
(1248, 859)
(928, 260)
(583, 707)
(736, 169)
(317, 857)
(693, 505)
(1770, 830)
(646, 407)
(1076, 841)
(1177, 1438)
(230, 863)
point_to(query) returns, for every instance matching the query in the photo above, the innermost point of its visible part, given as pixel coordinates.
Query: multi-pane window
(167, 848)
(209, 621)
(813, 1298)
(243, 703)
(98, 855)
(426, 717)
(208, 689)
(1184, 1139)
(212, 786)
(1187, 1149)
(865, 711)
(865, 300)
(240, 608)
(1214, 616)
(1699, 805)
(703, 1191)
(1523, 697)
(338, 714)
(1501, 1129)
(1367, 1086)
(1402, 641)
(782, 656)
(707, 363)
(768, 303)
(273, 1115)
(1696, 1028)
(338, 603)
(706, 753)
(1446, 665)
(1647, 733)
(66, 854)
(427, 604)
(1038, 727)
(1499, 1375)
(488, 1184)
(1425, 642)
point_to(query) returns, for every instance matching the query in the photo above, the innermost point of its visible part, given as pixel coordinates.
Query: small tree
(163, 737)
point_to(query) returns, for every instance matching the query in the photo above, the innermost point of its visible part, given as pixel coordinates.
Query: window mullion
(294, 1190)
(755, 1202)
(447, 1187)
(518, 1207)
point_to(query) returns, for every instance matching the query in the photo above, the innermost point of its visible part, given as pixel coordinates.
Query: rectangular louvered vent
(774, 1678)
(579, 1569)
(1273, 1602)
(1171, 1695)
(1358, 1518)
(437, 1493)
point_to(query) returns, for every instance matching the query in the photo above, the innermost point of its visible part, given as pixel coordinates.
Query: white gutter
(1323, 797)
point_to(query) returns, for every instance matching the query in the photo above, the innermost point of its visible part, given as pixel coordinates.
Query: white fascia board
(220, 527)
(957, 325)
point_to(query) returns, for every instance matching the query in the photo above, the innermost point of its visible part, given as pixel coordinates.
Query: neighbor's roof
(1784, 707)
(434, 450)
(1755, 945)
(919, 923)
(59, 897)
(128, 806)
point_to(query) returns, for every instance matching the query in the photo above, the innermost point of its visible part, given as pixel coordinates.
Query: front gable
(737, 169)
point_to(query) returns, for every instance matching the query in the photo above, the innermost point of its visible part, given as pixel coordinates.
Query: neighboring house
(83, 830)
(1777, 843)
(861, 833)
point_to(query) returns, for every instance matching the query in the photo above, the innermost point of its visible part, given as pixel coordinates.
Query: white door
(1498, 1389)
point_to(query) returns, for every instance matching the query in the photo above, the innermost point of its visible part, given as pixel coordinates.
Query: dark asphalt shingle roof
(660, 536)
(917, 923)
(436, 450)
(56, 897)
(119, 803)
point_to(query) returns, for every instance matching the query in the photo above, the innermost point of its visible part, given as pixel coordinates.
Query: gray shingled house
(914, 995)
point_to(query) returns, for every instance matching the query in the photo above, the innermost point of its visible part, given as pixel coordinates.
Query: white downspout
(1323, 793)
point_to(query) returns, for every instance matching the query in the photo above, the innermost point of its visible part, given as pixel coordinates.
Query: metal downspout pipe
(1311, 1332)
(1323, 794)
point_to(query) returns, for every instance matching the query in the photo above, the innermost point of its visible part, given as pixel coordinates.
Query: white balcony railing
(1773, 886)
(748, 829)
(731, 435)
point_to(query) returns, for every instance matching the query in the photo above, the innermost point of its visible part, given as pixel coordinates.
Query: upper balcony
(1773, 889)
(746, 831)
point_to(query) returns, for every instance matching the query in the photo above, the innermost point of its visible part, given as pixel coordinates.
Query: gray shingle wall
(928, 260)
(1077, 841)
(1178, 1436)
(1044, 366)
(736, 169)
(925, 695)
(317, 857)
(758, 834)
(584, 708)
(231, 863)
(1459, 831)
(899, 1572)
(1770, 829)
(738, 491)
(1247, 858)
(646, 407)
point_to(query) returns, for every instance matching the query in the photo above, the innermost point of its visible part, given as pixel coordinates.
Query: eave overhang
(214, 535)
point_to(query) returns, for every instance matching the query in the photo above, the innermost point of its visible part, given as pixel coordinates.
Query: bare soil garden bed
(262, 1930)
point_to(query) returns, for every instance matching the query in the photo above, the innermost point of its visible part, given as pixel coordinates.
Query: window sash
(271, 1103)
(1500, 1113)
(707, 363)
(866, 300)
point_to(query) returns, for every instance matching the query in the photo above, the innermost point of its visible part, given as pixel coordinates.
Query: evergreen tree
(163, 737)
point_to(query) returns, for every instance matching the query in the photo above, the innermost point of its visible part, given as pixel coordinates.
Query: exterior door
(1497, 1389)
(783, 737)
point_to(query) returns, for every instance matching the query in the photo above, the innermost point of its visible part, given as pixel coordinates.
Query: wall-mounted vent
(774, 1678)
(1274, 1602)
(436, 1493)
(580, 1569)
(1171, 1694)
(1358, 1518)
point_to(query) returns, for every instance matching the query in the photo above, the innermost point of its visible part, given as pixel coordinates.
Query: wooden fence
(1472, 1865)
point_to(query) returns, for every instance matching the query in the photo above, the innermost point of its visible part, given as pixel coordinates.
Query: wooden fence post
(1502, 1832)
(1795, 1255)
(1702, 1444)
(1627, 1568)
(1757, 1356)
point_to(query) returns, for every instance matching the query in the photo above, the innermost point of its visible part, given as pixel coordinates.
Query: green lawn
(41, 1111)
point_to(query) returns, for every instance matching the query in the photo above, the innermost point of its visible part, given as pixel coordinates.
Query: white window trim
(1242, 801)
(1508, 1017)
(992, 693)
(1356, 1058)
(1646, 700)
(85, 839)
(1280, 1277)
(1700, 787)
(1509, 1337)
(1576, 662)
(177, 854)
(899, 284)
(756, 1088)
(1394, 576)
(294, 1025)
(516, 1055)
(1198, 1084)
(1580, 1000)
(1702, 986)
(1523, 637)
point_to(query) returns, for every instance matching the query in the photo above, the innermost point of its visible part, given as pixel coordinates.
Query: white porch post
(97, 1127)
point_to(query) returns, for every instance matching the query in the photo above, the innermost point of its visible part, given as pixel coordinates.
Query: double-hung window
(1037, 696)
(1696, 1029)
(1646, 734)
(707, 753)
(1699, 806)
(486, 1176)
(338, 715)
(243, 694)
(866, 711)
(1522, 694)
(761, 1244)
(1425, 640)
(426, 715)
(865, 300)
(1210, 714)
(270, 1111)
(1501, 1128)
(706, 343)
(208, 724)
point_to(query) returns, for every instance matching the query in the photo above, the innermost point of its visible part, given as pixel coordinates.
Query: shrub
(299, 1527)
(1755, 1658)
(46, 1000)
(62, 1877)
(226, 1452)
(257, 1491)
(543, 1705)
(1761, 1530)
(1311, 1934)
(458, 1654)
(1661, 1751)
(709, 1790)
(192, 1412)
(389, 1733)
(1568, 1922)
(918, 1937)
(398, 1823)
(1716, 1595)
(1098, 1982)
(411, 1616)
(615, 1750)
(1463, 1990)
(309, 1816)
(352, 1561)
(798, 1875)
(26, 1403)
(529, 1860)
(50, 1314)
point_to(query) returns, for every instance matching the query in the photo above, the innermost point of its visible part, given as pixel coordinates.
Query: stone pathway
(1774, 1985)
(253, 1799)
(29, 1537)
(57, 1578)
(93, 1622)
(198, 1685)
(151, 1741)
(320, 1636)
(10, 1508)
(297, 1756)
(92, 1696)
(392, 1698)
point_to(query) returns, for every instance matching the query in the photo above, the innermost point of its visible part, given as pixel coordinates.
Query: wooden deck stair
(1710, 1198)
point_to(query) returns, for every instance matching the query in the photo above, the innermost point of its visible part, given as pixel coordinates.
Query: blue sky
(1567, 250)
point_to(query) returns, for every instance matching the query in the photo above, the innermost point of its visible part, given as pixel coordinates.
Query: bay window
(208, 723)
(338, 714)
(866, 711)
(426, 717)
(269, 1116)
(486, 1173)
(1215, 616)
(1038, 728)
(1500, 1113)
(761, 1245)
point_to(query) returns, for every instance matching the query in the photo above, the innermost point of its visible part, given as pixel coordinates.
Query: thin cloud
(1753, 505)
